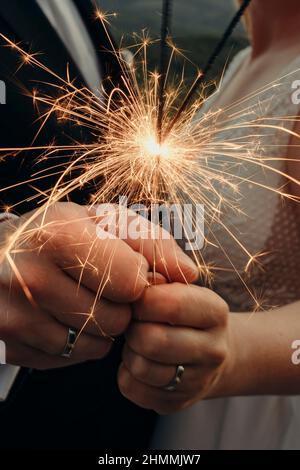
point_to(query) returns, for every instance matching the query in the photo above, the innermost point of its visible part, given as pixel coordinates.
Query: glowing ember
(127, 157)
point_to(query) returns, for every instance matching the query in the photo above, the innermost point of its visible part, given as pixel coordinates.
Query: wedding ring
(70, 344)
(171, 387)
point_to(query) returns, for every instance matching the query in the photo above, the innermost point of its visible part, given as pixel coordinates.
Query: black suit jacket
(80, 406)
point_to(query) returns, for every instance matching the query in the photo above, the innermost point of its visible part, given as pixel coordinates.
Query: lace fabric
(266, 225)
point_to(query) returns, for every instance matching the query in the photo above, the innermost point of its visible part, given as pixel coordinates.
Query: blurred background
(196, 27)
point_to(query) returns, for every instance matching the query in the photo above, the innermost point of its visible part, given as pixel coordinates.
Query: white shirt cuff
(8, 373)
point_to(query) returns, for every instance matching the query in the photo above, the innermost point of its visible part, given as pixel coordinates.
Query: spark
(192, 160)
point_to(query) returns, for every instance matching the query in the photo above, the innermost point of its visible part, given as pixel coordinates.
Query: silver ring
(70, 344)
(171, 387)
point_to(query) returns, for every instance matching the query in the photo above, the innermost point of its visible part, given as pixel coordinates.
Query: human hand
(176, 324)
(61, 274)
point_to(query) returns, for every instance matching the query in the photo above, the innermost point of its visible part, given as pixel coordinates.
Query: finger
(181, 305)
(155, 279)
(40, 331)
(152, 373)
(156, 244)
(172, 345)
(101, 319)
(145, 396)
(163, 253)
(76, 306)
(105, 265)
(25, 356)
(146, 371)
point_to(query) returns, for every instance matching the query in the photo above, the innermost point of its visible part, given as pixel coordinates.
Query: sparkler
(163, 65)
(203, 74)
(142, 152)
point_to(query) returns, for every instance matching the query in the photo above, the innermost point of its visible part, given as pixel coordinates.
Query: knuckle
(156, 341)
(138, 368)
(98, 349)
(218, 307)
(129, 289)
(120, 322)
(218, 354)
(36, 280)
(222, 312)
(55, 211)
(63, 210)
(55, 229)
(24, 273)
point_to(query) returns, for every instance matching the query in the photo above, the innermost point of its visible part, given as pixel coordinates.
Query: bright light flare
(150, 147)
(195, 164)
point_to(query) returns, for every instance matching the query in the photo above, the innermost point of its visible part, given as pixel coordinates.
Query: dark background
(196, 27)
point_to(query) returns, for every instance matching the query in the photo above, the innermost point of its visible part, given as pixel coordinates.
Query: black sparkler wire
(201, 77)
(165, 30)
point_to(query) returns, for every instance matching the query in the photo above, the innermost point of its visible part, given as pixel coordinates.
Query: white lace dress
(271, 227)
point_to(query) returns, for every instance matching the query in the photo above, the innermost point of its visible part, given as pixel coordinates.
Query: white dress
(256, 422)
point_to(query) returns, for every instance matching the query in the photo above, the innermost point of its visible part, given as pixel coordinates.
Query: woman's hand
(176, 324)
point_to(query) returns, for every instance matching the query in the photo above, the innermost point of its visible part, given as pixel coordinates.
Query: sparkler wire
(125, 151)
(201, 77)
(165, 29)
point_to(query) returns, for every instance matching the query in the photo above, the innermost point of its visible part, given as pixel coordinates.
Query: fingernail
(184, 259)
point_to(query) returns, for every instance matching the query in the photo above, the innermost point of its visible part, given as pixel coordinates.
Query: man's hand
(176, 324)
(61, 273)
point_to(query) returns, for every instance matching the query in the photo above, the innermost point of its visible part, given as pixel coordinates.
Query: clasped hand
(70, 272)
(174, 324)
